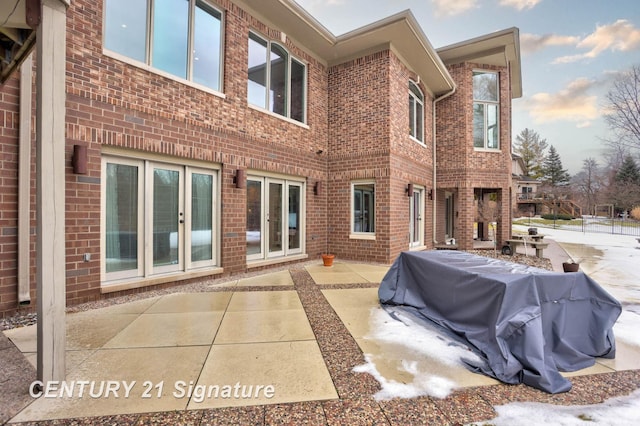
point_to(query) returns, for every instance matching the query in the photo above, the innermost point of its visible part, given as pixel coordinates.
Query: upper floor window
(486, 110)
(180, 37)
(276, 81)
(416, 112)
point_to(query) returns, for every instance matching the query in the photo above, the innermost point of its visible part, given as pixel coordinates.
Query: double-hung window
(486, 110)
(276, 81)
(416, 112)
(180, 37)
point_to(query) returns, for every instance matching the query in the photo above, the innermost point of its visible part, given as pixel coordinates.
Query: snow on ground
(611, 260)
(419, 342)
(614, 412)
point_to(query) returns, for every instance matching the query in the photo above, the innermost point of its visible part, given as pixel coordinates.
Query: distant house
(526, 189)
(230, 136)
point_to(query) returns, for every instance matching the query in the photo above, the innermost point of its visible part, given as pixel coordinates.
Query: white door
(166, 220)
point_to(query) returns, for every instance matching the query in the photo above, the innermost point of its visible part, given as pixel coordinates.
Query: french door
(166, 220)
(274, 217)
(158, 218)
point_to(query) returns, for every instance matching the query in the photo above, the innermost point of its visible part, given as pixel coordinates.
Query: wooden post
(50, 194)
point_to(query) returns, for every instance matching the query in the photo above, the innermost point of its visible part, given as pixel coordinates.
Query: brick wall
(110, 102)
(369, 139)
(460, 167)
(357, 129)
(9, 128)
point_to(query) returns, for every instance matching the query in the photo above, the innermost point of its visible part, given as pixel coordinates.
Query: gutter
(24, 181)
(435, 180)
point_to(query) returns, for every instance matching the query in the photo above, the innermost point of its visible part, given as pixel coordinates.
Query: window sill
(281, 117)
(133, 283)
(494, 150)
(418, 248)
(274, 261)
(418, 141)
(362, 236)
(153, 70)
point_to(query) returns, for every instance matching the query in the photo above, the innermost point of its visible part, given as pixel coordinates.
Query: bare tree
(530, 146)
(588, 182)
(623, 106)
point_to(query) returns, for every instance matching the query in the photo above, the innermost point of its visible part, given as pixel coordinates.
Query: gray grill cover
(527, 323)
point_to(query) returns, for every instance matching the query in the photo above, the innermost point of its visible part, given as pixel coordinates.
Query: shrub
(559, 216)
(635, 213)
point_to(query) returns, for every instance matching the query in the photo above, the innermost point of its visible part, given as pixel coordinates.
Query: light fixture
(317, 189)
(410, 190)
(431, 194)
(240, 179)
(79, 159)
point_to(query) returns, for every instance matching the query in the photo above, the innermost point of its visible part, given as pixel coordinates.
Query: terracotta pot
(327, 259)
(570, 267)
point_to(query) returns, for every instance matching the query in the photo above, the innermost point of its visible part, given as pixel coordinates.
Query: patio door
(416, 224)
(448, 215)
(167, 218)
(274, 217)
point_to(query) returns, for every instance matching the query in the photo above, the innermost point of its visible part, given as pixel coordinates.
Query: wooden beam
(50, 194)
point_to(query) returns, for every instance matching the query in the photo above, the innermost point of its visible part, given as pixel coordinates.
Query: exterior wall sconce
(431, 194)
(79, 159)
(240, 179)
(317, 189)
(410, 190)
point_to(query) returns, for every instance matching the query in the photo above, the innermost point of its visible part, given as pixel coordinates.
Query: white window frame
(415, 100)
(420, 191)
(147, 64)
(265, 106)
(145, 166)
(487, 103)
(189, 264)
(357, 234)
(130, 273)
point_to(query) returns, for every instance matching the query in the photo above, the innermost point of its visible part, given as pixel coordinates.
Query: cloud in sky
(573, 103)
(453, 7)
(530, 43)
(520, 4)
(619, 36)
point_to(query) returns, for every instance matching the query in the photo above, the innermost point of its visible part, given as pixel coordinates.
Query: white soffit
(501, 48)
(399, 32)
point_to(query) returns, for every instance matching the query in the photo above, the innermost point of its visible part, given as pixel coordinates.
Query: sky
(571, 50)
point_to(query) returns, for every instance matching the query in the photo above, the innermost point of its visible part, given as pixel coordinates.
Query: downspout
(435, 181)
(24, 181)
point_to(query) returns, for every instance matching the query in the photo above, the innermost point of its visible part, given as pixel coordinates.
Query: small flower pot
(327, 259)
(570, 267)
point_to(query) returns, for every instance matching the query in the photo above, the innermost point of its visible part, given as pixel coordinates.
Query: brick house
(207, 138)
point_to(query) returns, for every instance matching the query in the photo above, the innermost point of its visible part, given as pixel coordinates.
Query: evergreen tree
(628, 172)
(552, 170)
(531, 147)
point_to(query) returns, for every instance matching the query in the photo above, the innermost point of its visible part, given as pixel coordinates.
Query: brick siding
(357, 129)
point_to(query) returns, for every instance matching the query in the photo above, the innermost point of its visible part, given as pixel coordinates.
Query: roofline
(400, 33)
(485, 48)
(407, 17)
